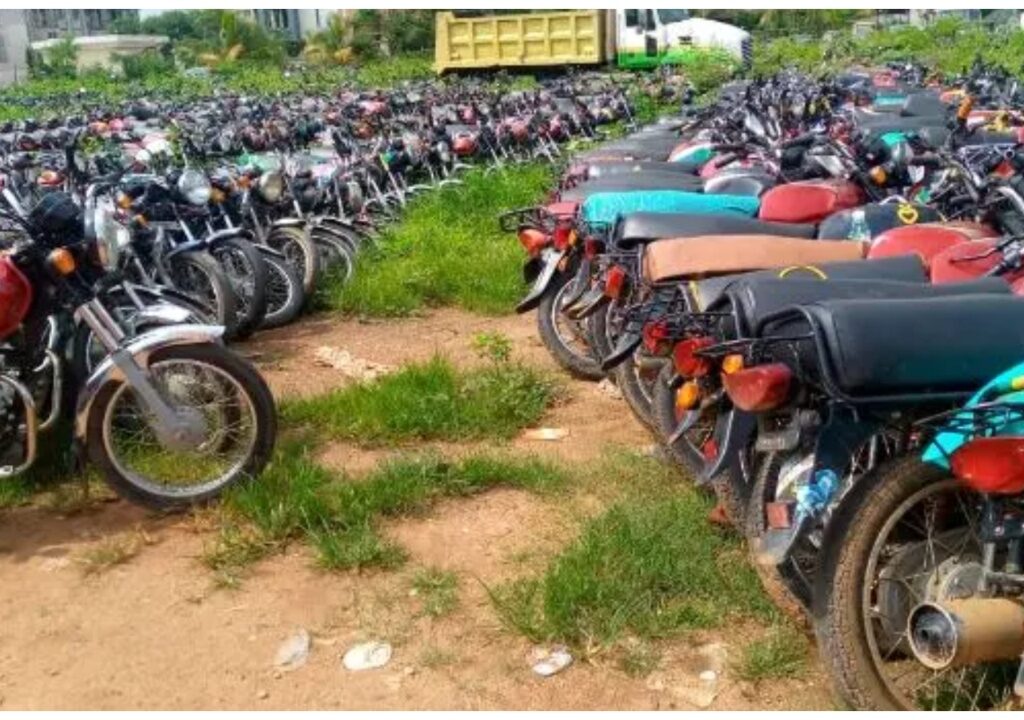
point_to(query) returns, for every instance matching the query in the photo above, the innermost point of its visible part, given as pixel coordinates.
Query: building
(47, 24)
(20, 28)
(13, 47)
(293, 24)
(102, 50)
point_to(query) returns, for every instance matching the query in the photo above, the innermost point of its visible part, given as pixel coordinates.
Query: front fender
(140, 349)
(288, 222)
(550, 259)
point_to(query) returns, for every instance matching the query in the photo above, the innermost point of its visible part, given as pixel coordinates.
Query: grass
(782, 653)
(438, 590)
(434, 657)
(650, 567)
(429, 401)
(447, 250)
(639, 658)
(296, 499)
(112, 551)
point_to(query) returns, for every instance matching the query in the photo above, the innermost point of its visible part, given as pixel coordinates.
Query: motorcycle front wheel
(232, 406)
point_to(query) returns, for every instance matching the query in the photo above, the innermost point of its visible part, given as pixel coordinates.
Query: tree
(61, 60)
(331, 43)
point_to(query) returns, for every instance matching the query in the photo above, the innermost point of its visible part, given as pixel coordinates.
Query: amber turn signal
(732, 364)
(62, 261)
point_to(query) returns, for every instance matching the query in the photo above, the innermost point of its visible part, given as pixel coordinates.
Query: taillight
(992, 465)
(759, 388)
(592, 247)
(562, 237)
(532, 240)
(687, 363)
(614, 281)
(656, 337)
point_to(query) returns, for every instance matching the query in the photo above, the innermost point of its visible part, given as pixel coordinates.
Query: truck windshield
(672, 16)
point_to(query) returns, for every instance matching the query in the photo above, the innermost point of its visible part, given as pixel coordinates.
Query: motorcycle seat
(918, 346)
(905, 269)
(751, 299)
(634, 182)
(639, 228)
(752, 184)
(610, 168)
(605, 208)
(695, 257)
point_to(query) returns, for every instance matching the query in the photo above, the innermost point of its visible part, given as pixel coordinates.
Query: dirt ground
(155, 632)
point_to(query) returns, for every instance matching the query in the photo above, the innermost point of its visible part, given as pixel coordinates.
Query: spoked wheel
(231, 420)
(566, 339)
(199, 275)
(245, 270)
(635, 381)
(301, 253)
(906, 536)
(285, 295)
(335, 255)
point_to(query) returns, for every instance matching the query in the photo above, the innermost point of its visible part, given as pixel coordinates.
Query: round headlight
(111, 236)
(194, 187)
(271, 186)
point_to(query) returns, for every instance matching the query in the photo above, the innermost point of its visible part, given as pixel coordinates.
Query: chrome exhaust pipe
(964, 632)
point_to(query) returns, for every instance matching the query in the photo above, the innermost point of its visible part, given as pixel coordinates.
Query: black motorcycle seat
(918, 346)
(633, 182)
(924, 104)
(614, 168)
(752, 299)
(897, 269)
(636, 229)
(898, 123)
(752, 185)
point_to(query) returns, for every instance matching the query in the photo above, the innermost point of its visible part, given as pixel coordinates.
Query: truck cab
(649, 38)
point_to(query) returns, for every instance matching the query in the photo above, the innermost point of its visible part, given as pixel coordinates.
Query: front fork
(176, 427)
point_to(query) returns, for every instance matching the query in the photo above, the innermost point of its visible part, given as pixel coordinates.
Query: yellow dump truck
(627, 38)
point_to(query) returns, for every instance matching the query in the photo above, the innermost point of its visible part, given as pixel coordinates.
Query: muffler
(964, 632)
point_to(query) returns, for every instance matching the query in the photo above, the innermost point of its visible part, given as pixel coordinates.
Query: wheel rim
(279, 289)
(940, 524)
(194, 280)
(231, 422)
(570, 333)
(241, 275)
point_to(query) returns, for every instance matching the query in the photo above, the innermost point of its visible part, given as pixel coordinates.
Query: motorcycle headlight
(355, 197)
(111, 236)
(271, 186)
(194, 187)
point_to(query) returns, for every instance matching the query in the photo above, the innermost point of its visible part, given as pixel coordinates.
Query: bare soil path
(155, 633)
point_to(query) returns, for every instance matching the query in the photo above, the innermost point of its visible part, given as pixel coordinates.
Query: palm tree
(331, 43)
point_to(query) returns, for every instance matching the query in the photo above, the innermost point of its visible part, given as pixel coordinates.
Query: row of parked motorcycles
(809, 291)
(136, 243)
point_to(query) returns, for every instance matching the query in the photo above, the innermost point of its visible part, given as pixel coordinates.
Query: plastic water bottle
(859, 229)
(813, 497)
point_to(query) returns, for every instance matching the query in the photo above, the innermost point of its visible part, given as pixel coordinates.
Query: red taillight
(532, 240)
(614, 281)
(759, 388)
(592, 247)
(686, 362)
(563, 234)
(656, 337)
(992, 465)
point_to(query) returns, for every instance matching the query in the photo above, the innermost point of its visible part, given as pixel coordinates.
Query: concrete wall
(101, 49)
(13, 47)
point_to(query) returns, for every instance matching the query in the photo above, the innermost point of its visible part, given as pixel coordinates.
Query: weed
(437, 590)
(639, 658)
(782, 653)
(434, 657)
(430, 401)
(446, 250)
(493, 346)
(296, 499)
(112, 551)
(649, 567)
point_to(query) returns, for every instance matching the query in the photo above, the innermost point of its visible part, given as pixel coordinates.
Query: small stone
(367, 656)
(551, 662)
(409, 670)
(546, 434)
(263, 694)
(708, 676)
(293, 652)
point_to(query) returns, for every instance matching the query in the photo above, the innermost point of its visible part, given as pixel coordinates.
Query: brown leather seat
(698, 257)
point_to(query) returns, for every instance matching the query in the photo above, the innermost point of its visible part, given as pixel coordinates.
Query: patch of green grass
(447, 250)
(429, 401)
(651, 566)
(639, 658)
(297, 500)
(438, 590)
(111, 552)
(782, 653)
(434, 657)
